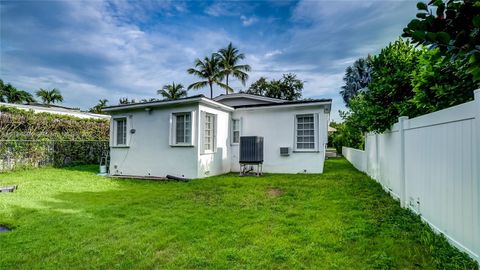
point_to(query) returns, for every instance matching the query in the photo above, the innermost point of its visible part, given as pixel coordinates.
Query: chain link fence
(19, 154)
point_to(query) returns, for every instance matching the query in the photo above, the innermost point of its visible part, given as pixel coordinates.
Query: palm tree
(209, 70)
(172, 91)
(49, 96)
(357, 77)
(102, 103)
(3, 91)
(19, 96)
(229, 58)
(10, 94)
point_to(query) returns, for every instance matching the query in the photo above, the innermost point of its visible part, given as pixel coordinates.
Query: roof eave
(245, 95)
(167, 103)
(286, 105)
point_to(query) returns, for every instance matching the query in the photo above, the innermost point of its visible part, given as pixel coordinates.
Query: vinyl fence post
(476, 170)
(376, 172)
(401, 130)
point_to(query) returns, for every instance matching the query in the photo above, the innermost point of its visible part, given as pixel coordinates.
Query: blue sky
(112, 49)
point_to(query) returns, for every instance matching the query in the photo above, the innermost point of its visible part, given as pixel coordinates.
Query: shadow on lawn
(91, 168)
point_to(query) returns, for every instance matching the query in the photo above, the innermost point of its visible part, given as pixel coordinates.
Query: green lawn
(71, 218)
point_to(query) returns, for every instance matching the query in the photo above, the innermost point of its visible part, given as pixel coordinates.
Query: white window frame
(315, 134)
(173, 129)
(204, 115)
(115, 131)
(232, 133)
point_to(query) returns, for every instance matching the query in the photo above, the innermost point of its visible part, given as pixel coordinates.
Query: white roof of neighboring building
(331, 129)
(54, 109)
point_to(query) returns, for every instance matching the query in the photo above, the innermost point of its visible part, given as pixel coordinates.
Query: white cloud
(247, 21)
(272, 53)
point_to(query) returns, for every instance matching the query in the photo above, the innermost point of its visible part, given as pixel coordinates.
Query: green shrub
(29, 139)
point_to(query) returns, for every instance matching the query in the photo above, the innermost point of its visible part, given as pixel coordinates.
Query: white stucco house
(197, 137)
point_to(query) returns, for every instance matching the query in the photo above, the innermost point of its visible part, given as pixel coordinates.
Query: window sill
(120, 146)
(208, 153)
(235, 144)
(182, 145)
(306, 151)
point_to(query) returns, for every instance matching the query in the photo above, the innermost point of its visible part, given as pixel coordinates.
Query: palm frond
(226, 87)
(198, 85)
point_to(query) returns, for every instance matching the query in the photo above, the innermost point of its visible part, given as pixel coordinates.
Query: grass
(72, 219)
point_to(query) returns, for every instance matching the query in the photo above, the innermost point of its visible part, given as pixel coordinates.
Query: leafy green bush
(439, 83)
(408, 81)
(453, 27)
(347, 134)
(390, 90)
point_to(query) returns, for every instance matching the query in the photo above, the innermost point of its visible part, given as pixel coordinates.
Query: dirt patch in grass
(274, 192)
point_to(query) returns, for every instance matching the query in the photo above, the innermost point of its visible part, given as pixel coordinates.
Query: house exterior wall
(217, 162)
(149, 152)
(277, 127)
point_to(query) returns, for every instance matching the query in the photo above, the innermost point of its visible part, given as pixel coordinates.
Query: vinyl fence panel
(431, 164)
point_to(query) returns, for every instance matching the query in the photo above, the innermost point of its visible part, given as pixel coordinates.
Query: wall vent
(284, 151)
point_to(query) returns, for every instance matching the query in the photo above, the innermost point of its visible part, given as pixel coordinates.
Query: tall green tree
(209, 71)
(357, 77)
(289, 87)
(390, 91)
(172, 91)
(49, 96)
(229, 64)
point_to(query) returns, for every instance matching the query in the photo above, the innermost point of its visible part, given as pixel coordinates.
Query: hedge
(29, 139)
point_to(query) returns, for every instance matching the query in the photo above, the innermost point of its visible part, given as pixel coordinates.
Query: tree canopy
(49, 96)
(209, 71)
(102, 103)
(289, 87)
(172, 91)
(229, 65)
(390, 90)
(10, 94)
(453, 27)
(357, 77)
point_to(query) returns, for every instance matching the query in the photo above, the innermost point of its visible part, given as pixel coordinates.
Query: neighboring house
(55, 109)
(196, 137)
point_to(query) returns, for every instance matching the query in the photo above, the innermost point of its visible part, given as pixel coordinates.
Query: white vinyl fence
(431, 163)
